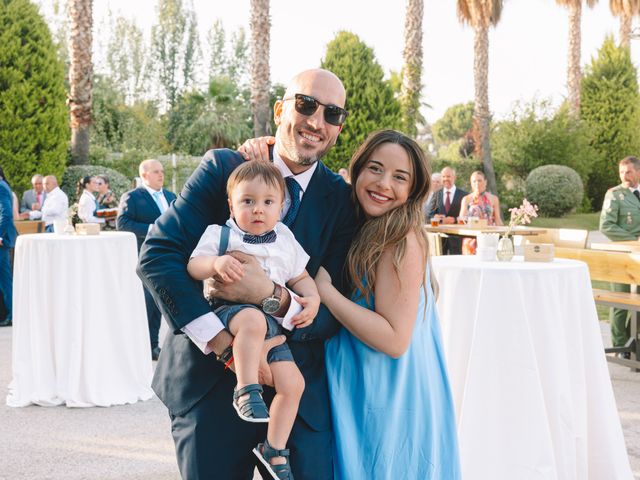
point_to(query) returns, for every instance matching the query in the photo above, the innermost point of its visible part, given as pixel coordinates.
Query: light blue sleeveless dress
(393, 418)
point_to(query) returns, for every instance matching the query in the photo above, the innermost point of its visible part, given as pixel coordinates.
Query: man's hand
(254, 286)
(310, 305)
(228, 269)
(449, 220)
(264, 371)
(257, 148)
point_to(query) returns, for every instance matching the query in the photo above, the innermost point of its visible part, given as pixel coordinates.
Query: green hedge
(556, 189)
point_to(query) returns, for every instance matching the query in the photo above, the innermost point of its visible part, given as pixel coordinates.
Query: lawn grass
(584, 221)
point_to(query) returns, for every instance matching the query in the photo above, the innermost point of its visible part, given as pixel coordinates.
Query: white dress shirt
(207, 326)
(86, 207)
(55, 206)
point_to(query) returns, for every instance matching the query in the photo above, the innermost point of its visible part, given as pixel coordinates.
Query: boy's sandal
(250, 409)
(266, 452)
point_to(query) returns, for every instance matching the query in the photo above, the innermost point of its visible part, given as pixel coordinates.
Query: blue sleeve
(168, 246)
(6, 212)
(127, 216)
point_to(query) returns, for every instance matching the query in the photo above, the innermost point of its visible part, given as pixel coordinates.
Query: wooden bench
(616, 267)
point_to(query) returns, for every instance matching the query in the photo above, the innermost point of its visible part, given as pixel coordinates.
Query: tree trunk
(574, 75)
(80, 78)
(625, 30)
(260, 84)
(481, 115)
(412, 70)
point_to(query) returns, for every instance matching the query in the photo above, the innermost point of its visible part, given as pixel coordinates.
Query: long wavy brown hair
(388, 231)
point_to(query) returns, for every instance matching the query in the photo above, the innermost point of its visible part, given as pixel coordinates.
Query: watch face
(270, 305)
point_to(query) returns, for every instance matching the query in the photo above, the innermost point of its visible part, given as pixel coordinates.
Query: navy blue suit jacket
(8, 231)
(138, 210)
(324, 226)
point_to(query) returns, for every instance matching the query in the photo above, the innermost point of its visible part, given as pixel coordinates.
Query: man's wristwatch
(271, 305)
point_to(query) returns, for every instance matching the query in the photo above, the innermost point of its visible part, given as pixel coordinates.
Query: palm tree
(80, 77)
(412, 70)
(481, 14)
(625, 9)
(260, 31)
(574, 74)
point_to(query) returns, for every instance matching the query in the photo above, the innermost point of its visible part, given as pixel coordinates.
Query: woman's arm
(389, 328)
(464, 206)
(497, 217)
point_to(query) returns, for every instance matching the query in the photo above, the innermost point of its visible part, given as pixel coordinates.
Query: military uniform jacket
(620, 217)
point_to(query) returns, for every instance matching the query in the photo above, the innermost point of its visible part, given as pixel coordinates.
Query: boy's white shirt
(202, 329)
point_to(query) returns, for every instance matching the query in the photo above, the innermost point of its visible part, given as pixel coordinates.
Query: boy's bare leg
(249, 328)
(289, 385)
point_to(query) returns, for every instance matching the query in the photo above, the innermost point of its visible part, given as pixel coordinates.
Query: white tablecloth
(530, 383)
(80, 334)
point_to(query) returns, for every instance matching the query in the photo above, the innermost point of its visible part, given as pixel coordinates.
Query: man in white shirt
(56, 205)
(446, 207)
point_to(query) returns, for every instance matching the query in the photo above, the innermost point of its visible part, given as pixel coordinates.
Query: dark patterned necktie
(294, 192)
(447, 202)
(637, 194)
(268, 237)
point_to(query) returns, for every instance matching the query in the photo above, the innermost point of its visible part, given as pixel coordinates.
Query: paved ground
(133, 442)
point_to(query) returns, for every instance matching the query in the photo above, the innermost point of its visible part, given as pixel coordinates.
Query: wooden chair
(616, 267)
(29, 226)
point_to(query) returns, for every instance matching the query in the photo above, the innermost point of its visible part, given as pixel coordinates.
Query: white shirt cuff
(294, 309)
(203, 329)
(35, 215)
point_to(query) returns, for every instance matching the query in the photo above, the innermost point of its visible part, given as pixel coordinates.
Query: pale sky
(528, 48)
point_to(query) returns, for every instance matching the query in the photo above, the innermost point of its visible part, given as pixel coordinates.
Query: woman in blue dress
(391, 404)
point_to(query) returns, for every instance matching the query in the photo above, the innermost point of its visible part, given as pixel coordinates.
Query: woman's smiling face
(385, 181)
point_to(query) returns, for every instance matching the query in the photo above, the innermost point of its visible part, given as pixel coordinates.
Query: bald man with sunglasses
(191, 378)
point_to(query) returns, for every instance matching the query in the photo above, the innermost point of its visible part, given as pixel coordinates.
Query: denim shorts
(279, 353)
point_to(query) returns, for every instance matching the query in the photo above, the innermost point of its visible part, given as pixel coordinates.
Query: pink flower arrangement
(521, 215)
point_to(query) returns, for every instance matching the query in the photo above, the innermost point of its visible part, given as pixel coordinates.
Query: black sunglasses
(307, 105)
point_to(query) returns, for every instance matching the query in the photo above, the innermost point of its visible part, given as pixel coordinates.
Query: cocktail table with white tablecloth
(530, 383)
(80, 334)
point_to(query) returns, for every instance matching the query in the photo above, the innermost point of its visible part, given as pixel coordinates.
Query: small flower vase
(505, 249)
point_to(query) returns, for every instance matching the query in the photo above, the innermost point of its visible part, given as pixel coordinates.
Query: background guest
(56, 207)
(619, 221)
(480, 204)
(139, 209)
(344, 173)
(436, 186)
(106, 199)
(16, 209)
(8, 236)
(447, 208)
(87, 204)
(34, 198)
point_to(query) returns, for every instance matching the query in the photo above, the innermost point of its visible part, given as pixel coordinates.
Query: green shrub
(117, 182)
(33, 115)
(556, 189)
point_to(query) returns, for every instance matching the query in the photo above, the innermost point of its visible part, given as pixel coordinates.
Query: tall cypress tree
(33, 115)
(370, 99)
(611, 108)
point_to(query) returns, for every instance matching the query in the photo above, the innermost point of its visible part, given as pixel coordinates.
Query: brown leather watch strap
(278, 292)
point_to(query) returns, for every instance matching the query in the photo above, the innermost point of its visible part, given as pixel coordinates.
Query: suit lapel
(313, 212)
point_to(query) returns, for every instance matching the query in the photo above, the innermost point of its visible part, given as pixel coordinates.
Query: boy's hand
(310, 305)
(228, 269)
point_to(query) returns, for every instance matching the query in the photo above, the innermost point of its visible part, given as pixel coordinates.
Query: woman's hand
(257, 148)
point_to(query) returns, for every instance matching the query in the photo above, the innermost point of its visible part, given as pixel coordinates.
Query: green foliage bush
(456, 121)
(33, 115)
(611, 107)
(370, 98)
(69, 184)
(556, 189)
